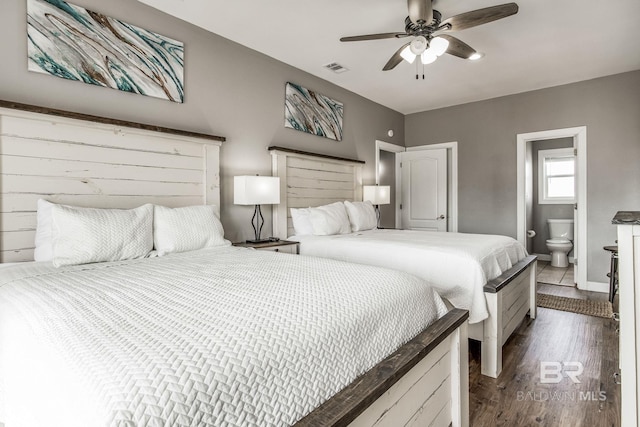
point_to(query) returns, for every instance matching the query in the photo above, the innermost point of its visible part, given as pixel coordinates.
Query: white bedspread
(221, 336)
(458, 265)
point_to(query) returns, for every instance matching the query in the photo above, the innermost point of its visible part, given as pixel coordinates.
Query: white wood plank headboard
(308, 180)
(94, 164)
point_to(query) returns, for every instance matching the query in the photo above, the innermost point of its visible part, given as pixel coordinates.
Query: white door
(423, 183)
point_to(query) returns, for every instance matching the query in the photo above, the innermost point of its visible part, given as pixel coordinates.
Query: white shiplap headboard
(308, 180)
(95, 164)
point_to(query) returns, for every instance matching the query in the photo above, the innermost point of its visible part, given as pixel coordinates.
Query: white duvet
(222, 336)
(457, 265)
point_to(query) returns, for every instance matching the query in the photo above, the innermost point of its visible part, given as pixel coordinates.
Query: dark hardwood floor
(519, 398)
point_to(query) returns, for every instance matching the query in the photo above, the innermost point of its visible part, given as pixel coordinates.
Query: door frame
(579, 135)
(385, 146)
(393, 148)
(452, 182)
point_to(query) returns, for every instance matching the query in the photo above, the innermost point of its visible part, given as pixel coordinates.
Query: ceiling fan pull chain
(417, 70)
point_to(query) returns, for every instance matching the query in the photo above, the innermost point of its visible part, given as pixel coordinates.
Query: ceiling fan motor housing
(422, 29)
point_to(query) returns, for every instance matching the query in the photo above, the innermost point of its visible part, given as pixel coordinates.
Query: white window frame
(543, 155)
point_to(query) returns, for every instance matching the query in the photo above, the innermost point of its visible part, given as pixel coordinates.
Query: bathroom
(553, 168)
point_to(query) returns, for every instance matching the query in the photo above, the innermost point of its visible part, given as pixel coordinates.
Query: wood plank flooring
(519, 398)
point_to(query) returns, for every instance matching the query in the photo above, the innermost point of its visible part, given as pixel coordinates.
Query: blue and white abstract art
(311, 112)
(74, 43)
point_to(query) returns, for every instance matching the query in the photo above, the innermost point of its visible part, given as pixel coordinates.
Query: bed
(128, 338)
(492, 276)
(168, 339)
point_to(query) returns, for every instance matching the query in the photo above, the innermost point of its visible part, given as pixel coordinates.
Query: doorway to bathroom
(537, 203)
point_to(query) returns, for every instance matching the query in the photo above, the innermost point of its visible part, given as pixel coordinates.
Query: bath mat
(580, 306)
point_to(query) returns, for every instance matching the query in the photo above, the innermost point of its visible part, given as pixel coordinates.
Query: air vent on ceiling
(336, 68)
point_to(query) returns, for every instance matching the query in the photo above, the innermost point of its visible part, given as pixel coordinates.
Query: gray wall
(230, 91)
(486, 134)
(540, 213)
(238, 93)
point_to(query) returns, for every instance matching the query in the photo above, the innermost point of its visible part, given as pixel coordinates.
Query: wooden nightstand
(284, 246)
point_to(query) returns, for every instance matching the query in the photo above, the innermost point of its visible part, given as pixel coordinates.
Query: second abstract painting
(310, 112)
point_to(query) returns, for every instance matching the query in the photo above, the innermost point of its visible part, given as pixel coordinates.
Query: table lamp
(256, 190)
(377, 195)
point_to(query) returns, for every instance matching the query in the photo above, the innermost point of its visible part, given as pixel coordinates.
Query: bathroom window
(556, 176)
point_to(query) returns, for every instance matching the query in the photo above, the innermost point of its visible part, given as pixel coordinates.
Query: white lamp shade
(428, 57)
(377, 194)
(256, 190)
(439, 45)
(407, 55)
(418, 45)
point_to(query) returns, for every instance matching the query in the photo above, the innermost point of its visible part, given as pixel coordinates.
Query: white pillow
(186, 229)
(86, 235)
(362, 215)
(301, 223)
(44, 238)
(330, 219)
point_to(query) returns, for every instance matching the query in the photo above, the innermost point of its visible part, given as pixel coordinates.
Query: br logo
(554, 372)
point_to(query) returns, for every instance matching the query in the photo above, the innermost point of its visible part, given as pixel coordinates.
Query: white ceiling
(548, 43)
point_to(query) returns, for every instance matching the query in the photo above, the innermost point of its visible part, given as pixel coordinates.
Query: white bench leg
(533, 290)
(491, 347)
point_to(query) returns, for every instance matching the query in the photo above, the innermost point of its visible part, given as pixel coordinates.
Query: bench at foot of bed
(509, 298)
(425, 382)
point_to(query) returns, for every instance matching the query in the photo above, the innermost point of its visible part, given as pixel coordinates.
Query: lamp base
(267, 240)
(259, 241)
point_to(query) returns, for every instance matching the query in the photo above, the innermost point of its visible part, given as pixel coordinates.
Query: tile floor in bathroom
(555, 275)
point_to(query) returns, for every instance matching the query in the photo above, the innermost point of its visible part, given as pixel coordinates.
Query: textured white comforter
(457, 265)
(220, 337)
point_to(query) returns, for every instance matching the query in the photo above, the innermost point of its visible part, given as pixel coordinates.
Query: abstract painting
(311, 112)
(74, 43)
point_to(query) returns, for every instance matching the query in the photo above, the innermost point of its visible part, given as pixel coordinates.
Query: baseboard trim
(547, 257)
(543, 257)
(602, 287)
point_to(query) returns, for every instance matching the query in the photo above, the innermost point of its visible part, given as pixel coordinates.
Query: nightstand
(284, 246)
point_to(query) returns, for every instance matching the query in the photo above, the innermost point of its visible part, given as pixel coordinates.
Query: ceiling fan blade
(373, 37)
(420, 11)
(457, 47)
(395, 59)
(480, 16)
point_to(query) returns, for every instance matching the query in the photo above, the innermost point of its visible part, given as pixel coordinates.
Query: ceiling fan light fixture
(419, 45)
(408, 55)
(439, 45)
(424, 23)
(428, 57)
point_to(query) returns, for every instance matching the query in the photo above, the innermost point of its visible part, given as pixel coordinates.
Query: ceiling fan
(427, 28)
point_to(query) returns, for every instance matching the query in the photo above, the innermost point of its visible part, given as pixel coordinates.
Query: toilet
(561, 236)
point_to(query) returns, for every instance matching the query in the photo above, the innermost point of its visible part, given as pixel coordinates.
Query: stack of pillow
(68, 235)
(335, 218)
